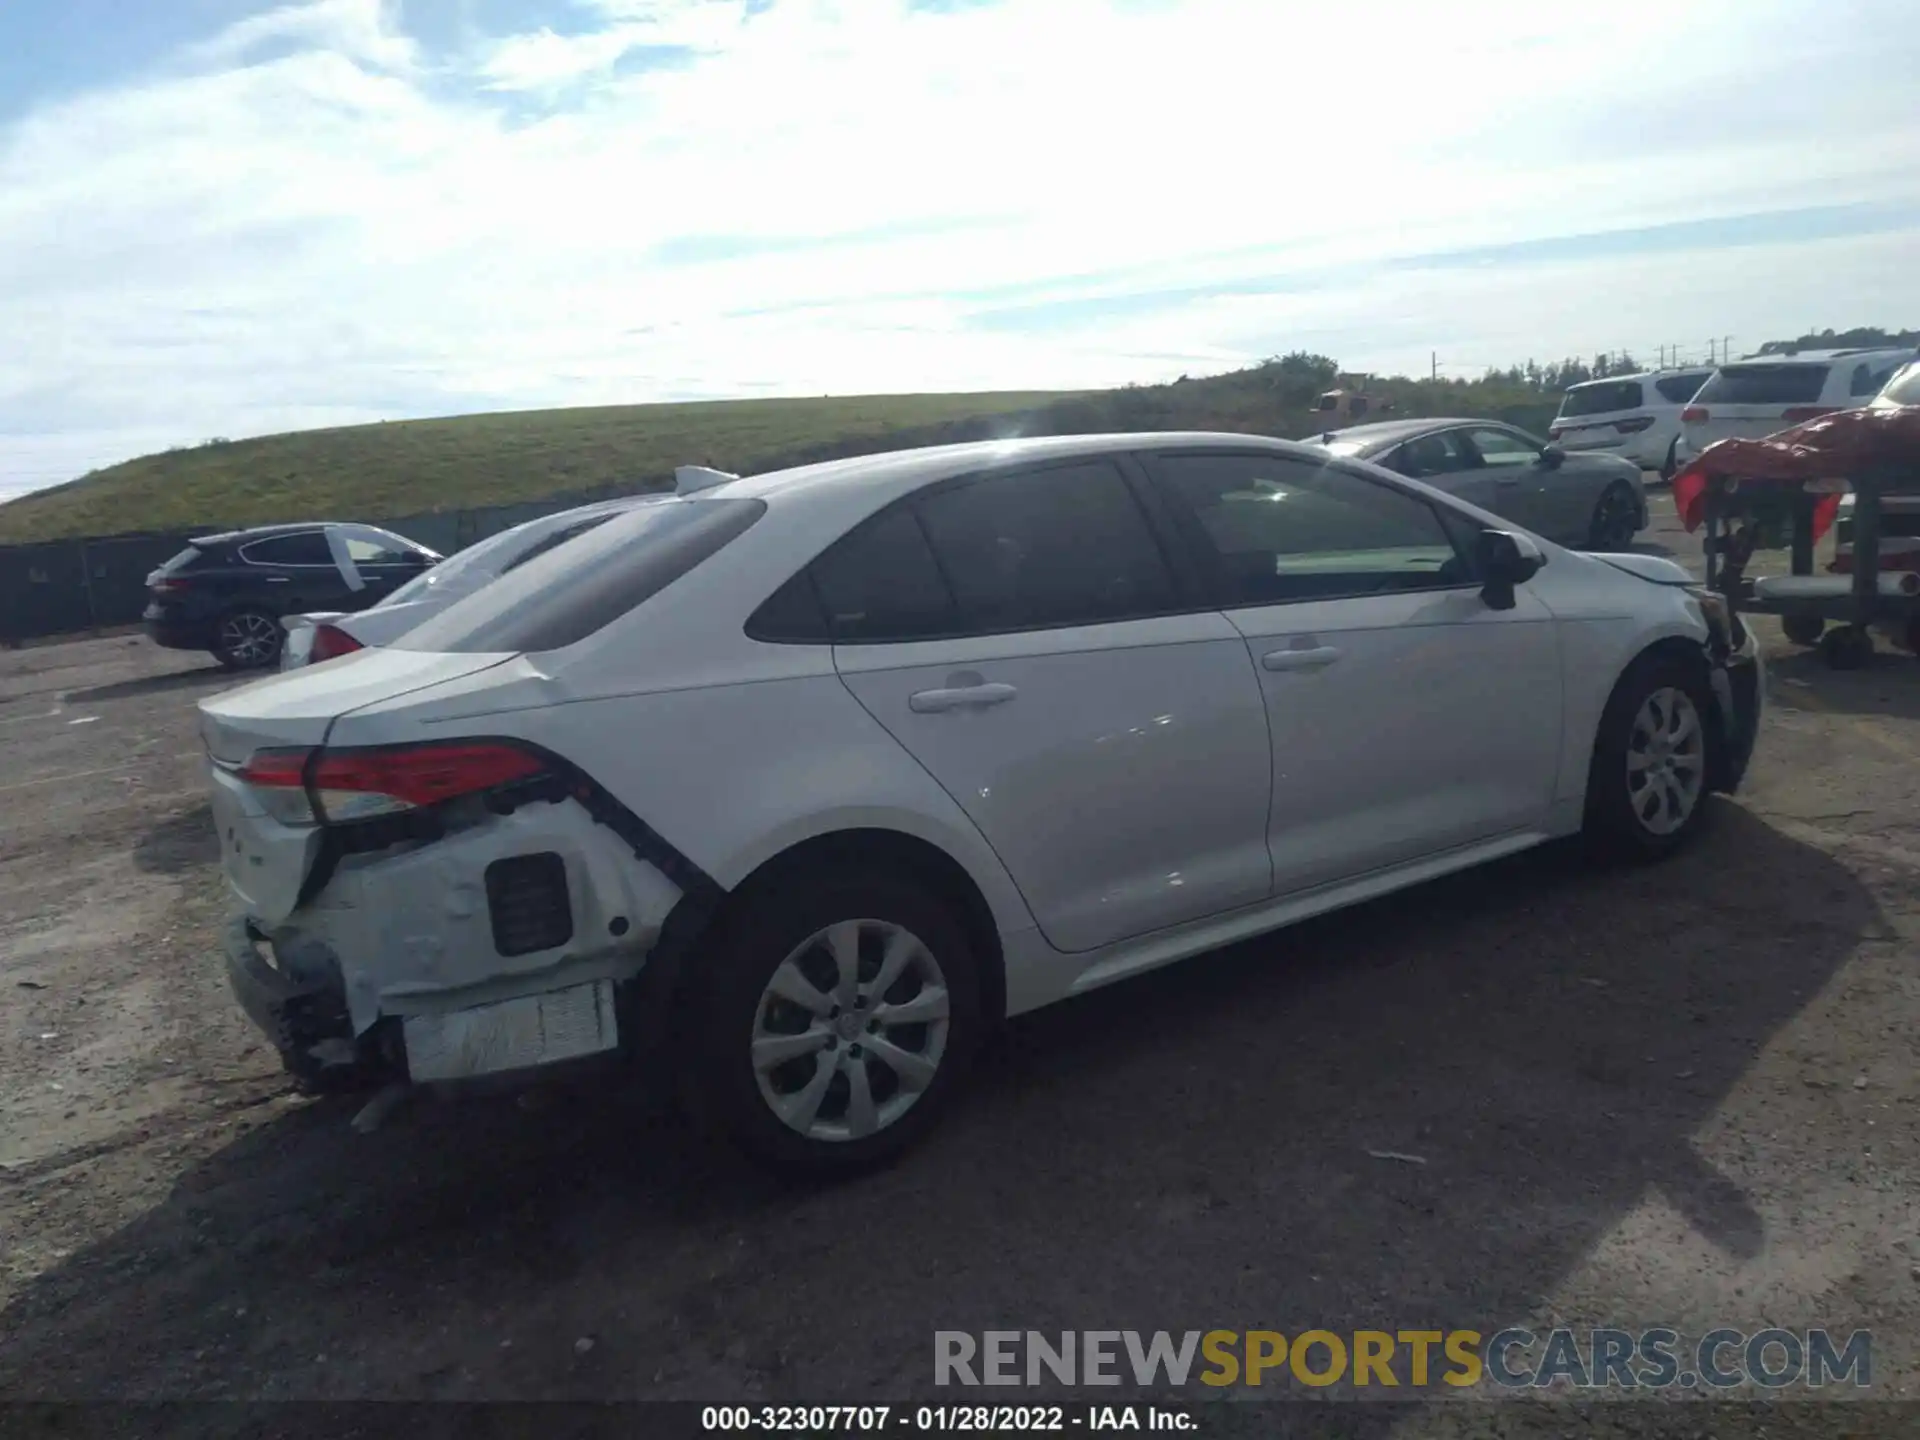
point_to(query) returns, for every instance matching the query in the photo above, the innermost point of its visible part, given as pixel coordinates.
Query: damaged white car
(807, 779)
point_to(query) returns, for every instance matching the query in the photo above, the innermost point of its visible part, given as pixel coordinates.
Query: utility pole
(1434, 372)
(1709, 352)
(1663, 357)
(1726, 349)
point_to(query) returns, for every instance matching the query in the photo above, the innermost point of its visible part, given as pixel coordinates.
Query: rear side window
(1068, 545)
(1763, 385)
(1600, 399)
(560, 598)
(882, 583)
(363, 550)
(1679, 389)
(309, 547)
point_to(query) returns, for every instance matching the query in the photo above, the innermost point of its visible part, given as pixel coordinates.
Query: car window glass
(1904, 387)
(1502, 447)
(1067, 545)
(881, 582)
(1680, 389)
(1278, 529)
(1763, 385)
(364, 551)
(1430, 455)
(309, 547)
(1600, 399)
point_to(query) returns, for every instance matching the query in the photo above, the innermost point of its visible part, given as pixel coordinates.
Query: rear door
(1028, 638)
(294, 571)
(1408, 718)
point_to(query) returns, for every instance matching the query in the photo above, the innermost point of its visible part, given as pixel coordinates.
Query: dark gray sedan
(1593, 502)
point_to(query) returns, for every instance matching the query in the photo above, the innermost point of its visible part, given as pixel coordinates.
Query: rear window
(309, 547)
(1680, 389)
(1600, 399)
(179, 562)
(561, 597)
(1764, 385)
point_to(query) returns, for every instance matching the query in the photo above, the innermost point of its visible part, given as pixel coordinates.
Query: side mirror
(1506, 559)
(1552, 457)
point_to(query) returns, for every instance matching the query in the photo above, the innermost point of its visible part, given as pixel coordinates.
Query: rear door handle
(960, 697)
(1317, 658)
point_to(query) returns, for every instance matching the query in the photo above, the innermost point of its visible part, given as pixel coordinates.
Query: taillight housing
(337, 787)
(330, 642)
(169, 587)
(1694, 415)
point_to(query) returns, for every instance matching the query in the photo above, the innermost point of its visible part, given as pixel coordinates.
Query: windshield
(488, 559)
(1600, 399)
(1902, 389)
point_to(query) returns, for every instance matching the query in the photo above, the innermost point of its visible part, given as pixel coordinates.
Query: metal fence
(70, 587)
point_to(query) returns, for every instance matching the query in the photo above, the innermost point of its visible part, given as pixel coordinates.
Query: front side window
(1276, 529)
(1501, 448)
(364, 551)
(309, 547)
(1426, 456)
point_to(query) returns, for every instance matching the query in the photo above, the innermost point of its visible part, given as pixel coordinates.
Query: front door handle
(960, 697)
(1317, 658)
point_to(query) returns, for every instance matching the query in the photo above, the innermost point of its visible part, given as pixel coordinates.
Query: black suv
(227, 593)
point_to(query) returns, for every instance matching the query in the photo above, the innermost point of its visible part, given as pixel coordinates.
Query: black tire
(248, 640)
(1803, 629)
(728, 1001)
(1672, 467)
(1847, 647)
(1616, 520)
(1624, 820)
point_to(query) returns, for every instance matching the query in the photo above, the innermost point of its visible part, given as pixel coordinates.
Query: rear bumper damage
(502, 947)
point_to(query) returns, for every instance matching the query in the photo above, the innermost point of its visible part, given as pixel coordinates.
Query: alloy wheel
(1614, 521)
(1666, 761)
(249, 638)
(850, 1030)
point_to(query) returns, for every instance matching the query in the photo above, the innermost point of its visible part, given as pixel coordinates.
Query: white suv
(1755, 397)
(803, 781)
(1634, 416)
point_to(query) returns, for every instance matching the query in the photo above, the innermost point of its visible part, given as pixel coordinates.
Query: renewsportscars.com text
(1514, 1358)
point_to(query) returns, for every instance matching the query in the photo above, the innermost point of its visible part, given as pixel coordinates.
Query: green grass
(405, 468)
(374, 472)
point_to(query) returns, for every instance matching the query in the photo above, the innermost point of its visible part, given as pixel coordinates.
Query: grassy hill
(386, 471)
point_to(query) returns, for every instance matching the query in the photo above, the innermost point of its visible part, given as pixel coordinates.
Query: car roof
(262, 532)
(1389, 432)
(1700, 369)
(901, 471)
(1821, 357)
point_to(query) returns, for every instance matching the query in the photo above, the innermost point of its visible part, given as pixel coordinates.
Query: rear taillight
(1694, 415)
(330, 642)
(1633, 427)
(339, 786)
(168, 587)
(1799, 414)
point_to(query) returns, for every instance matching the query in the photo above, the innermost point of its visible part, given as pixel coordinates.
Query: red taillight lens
(356, 784)
(330, 642)
(1633, 427)
(1693, 414)
(1799, 414)
(168, 587)
(297, 787)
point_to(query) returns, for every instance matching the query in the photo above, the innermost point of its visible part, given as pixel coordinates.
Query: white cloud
(311, 218)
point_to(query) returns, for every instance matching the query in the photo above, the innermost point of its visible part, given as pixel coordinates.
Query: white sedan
(812, 777)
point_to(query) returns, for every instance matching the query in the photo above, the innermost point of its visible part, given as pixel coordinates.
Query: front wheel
(1803, 629)
(247, 640)
(1616, 520)
(832, 1022)
(1647, 785)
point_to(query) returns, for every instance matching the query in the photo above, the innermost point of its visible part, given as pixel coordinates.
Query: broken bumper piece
(303, 1011)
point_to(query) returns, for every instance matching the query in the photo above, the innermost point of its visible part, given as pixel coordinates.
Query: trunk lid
(267, 860)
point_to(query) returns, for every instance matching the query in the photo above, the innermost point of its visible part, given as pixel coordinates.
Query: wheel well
(890, 850)
(1688, 653)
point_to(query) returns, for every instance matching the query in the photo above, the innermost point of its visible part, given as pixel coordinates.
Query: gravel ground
(1682, 1095)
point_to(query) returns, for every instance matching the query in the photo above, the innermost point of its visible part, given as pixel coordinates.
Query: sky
(229, 218)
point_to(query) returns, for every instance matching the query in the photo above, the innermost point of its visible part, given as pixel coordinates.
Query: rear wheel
(832, 1021)
(1803, 629)
(247, 640)
(1849, 647)
(1647, 786)
(1616, 519)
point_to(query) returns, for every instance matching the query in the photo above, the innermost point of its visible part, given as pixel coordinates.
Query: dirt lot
(1681, 1095)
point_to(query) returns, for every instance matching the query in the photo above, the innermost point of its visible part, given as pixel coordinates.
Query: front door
(1408, 718)
(1515, 476)
(1024, 637)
